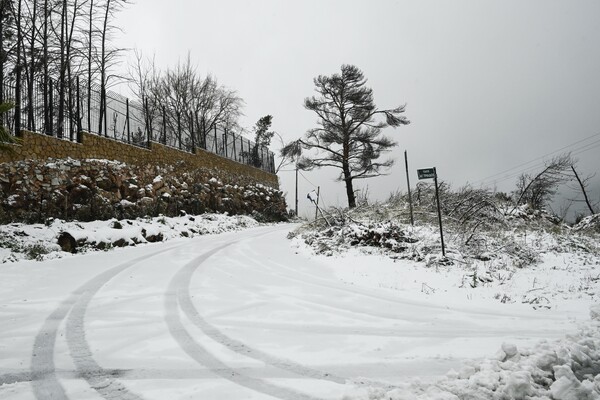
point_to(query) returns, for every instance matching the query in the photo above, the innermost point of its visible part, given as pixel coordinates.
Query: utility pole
(317, 202)
(296, 189)
(437, 195)
(412, 221)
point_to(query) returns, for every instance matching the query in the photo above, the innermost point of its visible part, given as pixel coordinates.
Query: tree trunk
(89, 77)
(2, 56)
(62, 83)
(18, 73)
(582, 186)
(103, 62)
(30, 99)
(349, 186)
(47, 122)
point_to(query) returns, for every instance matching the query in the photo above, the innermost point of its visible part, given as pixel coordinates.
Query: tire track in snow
(175, 298)
(185, 302)
(45, 383)
(100, 379)
(273, 268)
(181, 290)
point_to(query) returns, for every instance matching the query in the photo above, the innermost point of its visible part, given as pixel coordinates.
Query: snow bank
(525, 258)
(567, 369)
(39, 241)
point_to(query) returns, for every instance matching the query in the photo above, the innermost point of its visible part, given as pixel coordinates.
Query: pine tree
(262, 138)
(349, 136)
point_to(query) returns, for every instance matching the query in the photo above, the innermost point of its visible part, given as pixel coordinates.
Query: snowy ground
(39, 241)
(252, 315)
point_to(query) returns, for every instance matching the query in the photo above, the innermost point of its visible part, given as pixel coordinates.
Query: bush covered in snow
(477, 226)
(590, 224)
(486, 253)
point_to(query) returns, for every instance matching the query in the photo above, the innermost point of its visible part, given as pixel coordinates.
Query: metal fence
(117, 118)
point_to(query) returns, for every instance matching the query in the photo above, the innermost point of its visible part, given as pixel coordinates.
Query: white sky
(489, 85)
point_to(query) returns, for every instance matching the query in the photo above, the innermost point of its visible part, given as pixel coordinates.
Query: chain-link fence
(63, 111)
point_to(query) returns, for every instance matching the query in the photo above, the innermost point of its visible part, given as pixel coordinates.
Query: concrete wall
(35, 146)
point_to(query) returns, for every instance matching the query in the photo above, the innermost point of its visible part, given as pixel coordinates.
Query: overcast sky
(489, 85)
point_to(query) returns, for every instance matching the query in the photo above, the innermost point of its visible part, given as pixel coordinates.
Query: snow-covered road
(230, 316)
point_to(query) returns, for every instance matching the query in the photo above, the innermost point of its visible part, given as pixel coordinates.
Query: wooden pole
(127, 120)
(317, 202)
(296, 189)
(412, 221)
(437, 196)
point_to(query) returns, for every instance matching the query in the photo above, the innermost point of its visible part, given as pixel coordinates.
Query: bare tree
(348, 135)
(583, 185)
(143, 76)
(538, 190)
(18, 67)
(107, 55)
(7, 27)
(184, 101)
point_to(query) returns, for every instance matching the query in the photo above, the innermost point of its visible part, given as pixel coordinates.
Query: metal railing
(120, 119)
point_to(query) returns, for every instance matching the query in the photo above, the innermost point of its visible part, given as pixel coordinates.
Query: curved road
(238, 315)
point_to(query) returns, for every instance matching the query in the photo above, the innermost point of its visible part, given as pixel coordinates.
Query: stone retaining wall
(98, 189)
(36, 146)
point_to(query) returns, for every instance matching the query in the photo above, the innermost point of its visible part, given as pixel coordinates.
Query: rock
(152, 238)
(120, 243)
(67, 242)
(80, 194)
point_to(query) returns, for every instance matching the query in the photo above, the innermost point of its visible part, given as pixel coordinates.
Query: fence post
(225, 141)
(235, 157)
(242, 148)
(250, 153)
(216, 141)
(199, 131)
(105, 112)
(30, 104)
(79, 128)
(70, 110)
(179, 129)
(46, 107)
(273, 163)
(164, 121)
(50, 108)
(89, 106)
(128, 126)
(18, 102)
(192, 132)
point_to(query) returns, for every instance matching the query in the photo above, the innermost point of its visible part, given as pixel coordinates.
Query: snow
(39, 242)
(567, 369)
(251, 314)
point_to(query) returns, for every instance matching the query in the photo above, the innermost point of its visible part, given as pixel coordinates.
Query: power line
(305, 178)
(488, 178)
(578, 150)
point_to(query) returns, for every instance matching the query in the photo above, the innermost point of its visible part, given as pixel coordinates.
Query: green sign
(426, 173)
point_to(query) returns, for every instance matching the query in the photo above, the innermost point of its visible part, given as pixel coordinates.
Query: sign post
(428, 173)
